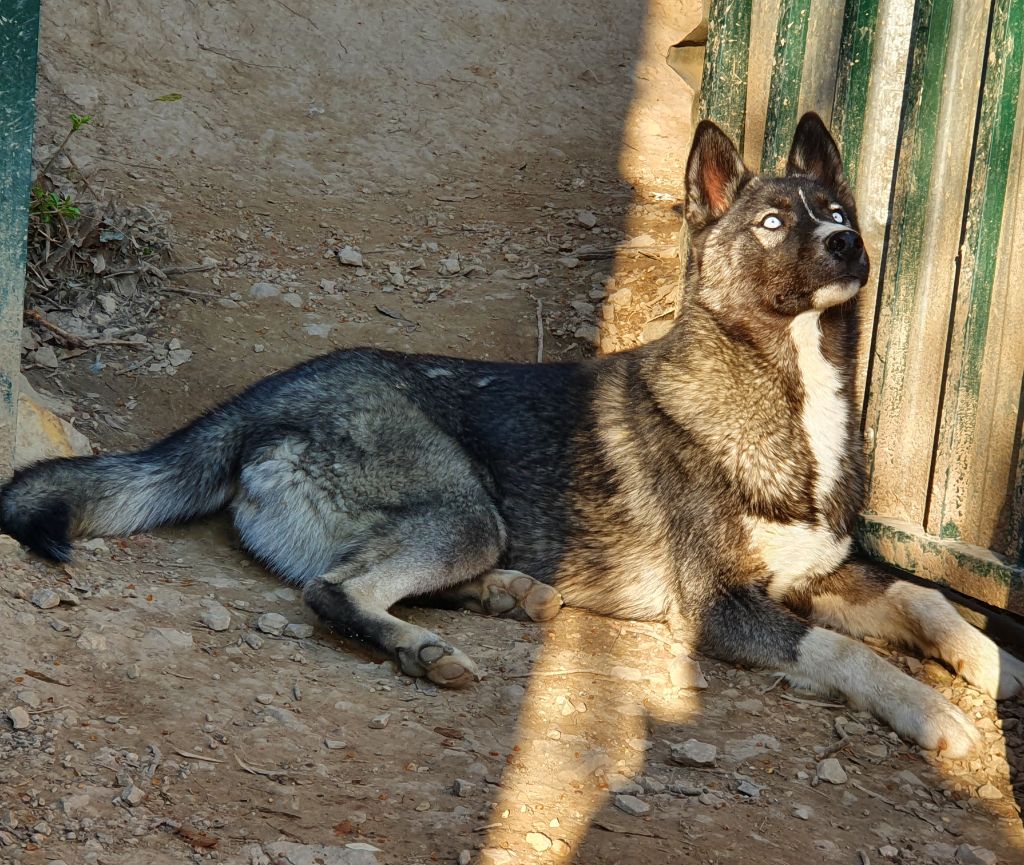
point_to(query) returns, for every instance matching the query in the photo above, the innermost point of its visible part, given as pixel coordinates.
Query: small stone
(292, 299)
(538, 841)
(621, 784)
(631, 805)
(379, 722)
(988, 791)
(588, 333)
(253, 641)
(298, 630)
(423, 806)
(45, 599)
(45, 357)
(328, 286)
(887, 851)
(272, 623)
(586, 218)
(350, 256)
(803, 812)
(335, 744)
(685, 672)
(462, 788)
(319, 330)
(215, 617)
(132, 795)
(264, 289)
(91, 641)
(832, 771)
(19, 718)
(450, 265)
(465, 857)
(905, 776)
(940, 853)
(694, 753)
(107, 302)
(749, 789)
(259, 347)
(583, 307)
(265, 699)
(752, 706)
(971, 855)
(30, 699)
(162, 639)
(569, 262)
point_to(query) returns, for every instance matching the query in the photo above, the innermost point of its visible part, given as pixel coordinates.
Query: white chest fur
(794, 552)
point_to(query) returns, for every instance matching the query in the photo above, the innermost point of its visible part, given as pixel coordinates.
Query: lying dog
(710, 479)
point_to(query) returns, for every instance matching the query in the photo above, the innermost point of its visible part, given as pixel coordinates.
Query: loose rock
(694, 753)
(215, 617)
(832, 771)
(20, 719)
(631, 805)
(272, 623)
(45, 599)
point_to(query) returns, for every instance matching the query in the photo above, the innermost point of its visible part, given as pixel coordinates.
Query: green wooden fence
(19, 33)
(923, 98)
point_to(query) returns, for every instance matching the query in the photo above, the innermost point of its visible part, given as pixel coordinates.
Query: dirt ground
(504, 171)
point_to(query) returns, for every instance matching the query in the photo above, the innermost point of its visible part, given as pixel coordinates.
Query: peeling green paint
(856, 47)
(979, 253)
(723, 87)
(19, 33)
(787, 74)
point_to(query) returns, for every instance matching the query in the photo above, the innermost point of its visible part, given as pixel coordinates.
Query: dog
(710, 479)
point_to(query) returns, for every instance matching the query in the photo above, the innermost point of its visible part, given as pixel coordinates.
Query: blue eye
(771, 222)
(838, 216)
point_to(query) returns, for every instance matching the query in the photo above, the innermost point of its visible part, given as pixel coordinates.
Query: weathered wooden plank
(19, 34)
(991, 512)
(973, 570)
(821, 69)
(856, 45)
(723, 88)
(764, 19)
(917, 274)
(957, 458)
(875, 159)
(787, 75)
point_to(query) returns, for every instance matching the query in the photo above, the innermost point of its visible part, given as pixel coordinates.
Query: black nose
(845, 245)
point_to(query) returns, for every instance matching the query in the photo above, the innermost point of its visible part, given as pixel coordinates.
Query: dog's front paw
(917, 713)
(983, 664)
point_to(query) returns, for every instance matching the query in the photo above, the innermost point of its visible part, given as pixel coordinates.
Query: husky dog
(710, 479)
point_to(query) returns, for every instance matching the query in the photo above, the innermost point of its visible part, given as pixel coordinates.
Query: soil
(495, 134)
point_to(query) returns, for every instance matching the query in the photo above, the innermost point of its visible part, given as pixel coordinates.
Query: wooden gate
(923, 98)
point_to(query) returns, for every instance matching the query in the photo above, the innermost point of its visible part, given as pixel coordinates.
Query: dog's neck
(767, 395)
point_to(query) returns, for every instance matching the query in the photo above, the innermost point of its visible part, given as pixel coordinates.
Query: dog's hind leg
(864, 601)
(419, 551)
(747, 626)
(501, 592)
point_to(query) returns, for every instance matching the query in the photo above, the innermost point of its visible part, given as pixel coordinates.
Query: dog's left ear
(815, 154)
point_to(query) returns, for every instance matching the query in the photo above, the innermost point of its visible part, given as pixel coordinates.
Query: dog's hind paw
(999, 674)
(440, 662)
(517, 595)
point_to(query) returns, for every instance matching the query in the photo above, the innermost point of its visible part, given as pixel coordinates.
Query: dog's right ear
(715, 174)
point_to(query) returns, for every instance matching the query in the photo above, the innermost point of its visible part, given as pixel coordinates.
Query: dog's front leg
(746, 626)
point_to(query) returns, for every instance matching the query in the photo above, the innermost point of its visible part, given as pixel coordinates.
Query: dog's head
(781, 245)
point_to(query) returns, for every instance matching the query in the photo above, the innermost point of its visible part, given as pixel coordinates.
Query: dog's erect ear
(815, 154)
(715, 174)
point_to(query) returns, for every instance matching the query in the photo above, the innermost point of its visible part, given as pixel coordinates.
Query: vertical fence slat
(723, 86)
(787, 75)
(955, 457)
(853, 77)
(19, 33)
(905, 383)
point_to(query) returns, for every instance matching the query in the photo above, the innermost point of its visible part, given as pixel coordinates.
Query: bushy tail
(188, 474)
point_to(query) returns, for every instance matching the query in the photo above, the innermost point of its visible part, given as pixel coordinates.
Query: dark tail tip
(44, 529)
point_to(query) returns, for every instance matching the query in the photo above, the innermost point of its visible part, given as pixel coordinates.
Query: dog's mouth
(836, 292)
